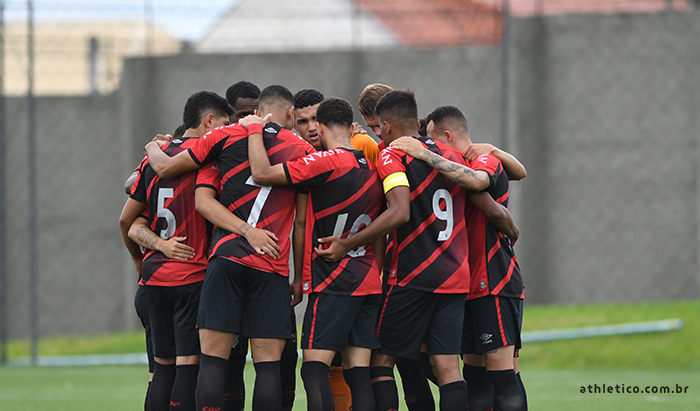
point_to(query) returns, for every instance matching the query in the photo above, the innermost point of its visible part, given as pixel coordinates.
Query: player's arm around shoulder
(457, 172)
(499, 215)
(260, 168)
(514, 168)
(166, 166)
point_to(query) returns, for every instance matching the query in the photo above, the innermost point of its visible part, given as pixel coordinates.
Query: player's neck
(193, 133)
(462, 144)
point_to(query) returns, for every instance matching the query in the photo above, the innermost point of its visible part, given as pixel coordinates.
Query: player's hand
(357, 129)
(332, 248)
(263, 242)
(295, 291)
(410, 146)
(162, 139)
(253, 119)
(475, 150)
(173, 248)
(513, 238)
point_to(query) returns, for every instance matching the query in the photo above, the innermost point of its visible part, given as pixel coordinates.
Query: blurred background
(597, 98)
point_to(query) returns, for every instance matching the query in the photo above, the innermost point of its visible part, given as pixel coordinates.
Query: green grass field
(554, 372)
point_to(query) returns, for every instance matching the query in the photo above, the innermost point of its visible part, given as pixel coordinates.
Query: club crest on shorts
(306, 286)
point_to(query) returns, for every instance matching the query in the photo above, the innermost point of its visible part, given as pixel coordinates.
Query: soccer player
(244, 278)
(368, 102)
(429, 275)
(243, 97)
(493, 311)
(345, 195)
(173, 268)
(305, 123)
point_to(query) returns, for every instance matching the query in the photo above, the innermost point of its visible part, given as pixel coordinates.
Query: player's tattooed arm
(499, 216)
(173, 247)
(458, 173)
(513, 167)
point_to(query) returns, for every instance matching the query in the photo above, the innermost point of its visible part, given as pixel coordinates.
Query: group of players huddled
(404, 249)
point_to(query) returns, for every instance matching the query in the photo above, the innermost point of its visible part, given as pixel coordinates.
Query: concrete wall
(603, 114)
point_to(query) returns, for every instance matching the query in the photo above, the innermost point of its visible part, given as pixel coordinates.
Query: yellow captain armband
(395, 180)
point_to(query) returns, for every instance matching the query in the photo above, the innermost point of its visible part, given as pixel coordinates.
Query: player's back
(264, 207)
(171, 212)
(430, 250)
(345, 196)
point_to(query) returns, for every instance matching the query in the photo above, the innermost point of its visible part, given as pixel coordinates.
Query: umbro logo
(271, 130)
(177, 141)
(486, 338)
(362, 161)
(429, 141)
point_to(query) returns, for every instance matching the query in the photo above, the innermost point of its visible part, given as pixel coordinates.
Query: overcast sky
(185, 19)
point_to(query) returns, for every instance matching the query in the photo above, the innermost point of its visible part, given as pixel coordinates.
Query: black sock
(522, 388)
(317, 385)
(234, 388)
(145, 402)
(288, 374)
(416, 388)
(479, 388)
(210, 383)
(507, 395)
(161, 387)
(360, 385)
(267, 393)
(182, 397)
(453, 396)
(386, 396)
(424, 360)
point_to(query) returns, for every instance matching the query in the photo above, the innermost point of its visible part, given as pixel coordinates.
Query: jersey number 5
(163, 212)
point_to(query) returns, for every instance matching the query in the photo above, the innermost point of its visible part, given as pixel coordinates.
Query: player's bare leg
(453, 389)
(267, 352)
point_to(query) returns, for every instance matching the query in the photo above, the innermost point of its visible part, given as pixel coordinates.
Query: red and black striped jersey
(269, 208)
(494, 267)
(430, 250)
(345, 195)
(171, 213)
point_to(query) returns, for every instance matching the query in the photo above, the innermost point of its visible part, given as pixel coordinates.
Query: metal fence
(563, 84)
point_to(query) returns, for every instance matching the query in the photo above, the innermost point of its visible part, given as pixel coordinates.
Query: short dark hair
(242, 89)
(400, 106)
(307, 97)
(423, 127)
(335, 111)
(201, 102)
(179, 131)
(276, 93)
(443, 114)
(370, 96)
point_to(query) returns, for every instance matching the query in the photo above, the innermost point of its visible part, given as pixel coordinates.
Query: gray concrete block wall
(603, 115)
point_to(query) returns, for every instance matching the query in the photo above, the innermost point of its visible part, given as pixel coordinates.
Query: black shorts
(334, 322)
(240, 343)
(410, 317)
(141, 305)
(242, 300)
(491, 322)
(172, 312)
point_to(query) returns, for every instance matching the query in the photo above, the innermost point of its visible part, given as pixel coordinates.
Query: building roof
(298, 25)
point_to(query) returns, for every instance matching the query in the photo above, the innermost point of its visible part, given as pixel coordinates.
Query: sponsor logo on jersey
(386, 158)
(320, 154)
(484, 158)
(486, 338)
